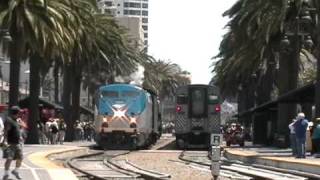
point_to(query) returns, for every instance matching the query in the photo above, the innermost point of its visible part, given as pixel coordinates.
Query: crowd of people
(51, 130)
(298, 136)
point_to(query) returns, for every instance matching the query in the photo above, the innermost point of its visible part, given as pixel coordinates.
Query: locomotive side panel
(181, 117)
(214, 110)
(144, 123)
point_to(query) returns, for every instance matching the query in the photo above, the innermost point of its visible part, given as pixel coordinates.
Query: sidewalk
(269, 156)
(36, 165)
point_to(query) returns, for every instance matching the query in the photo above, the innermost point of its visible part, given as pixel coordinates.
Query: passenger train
(126, 115)
(197, 115)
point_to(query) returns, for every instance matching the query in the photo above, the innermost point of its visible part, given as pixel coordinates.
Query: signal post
(215, 141)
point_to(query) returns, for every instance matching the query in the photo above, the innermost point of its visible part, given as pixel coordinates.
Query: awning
(24, 103)
(86, 110)
(303, 94)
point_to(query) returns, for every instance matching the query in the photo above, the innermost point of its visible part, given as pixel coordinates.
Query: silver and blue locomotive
(126, 114)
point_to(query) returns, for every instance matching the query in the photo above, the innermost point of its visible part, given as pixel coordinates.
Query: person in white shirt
(293, 138)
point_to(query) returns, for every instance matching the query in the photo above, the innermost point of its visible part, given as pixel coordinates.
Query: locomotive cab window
(198, 102)
(182, 99)
(213, 99)
(130, 94)
(109, 94)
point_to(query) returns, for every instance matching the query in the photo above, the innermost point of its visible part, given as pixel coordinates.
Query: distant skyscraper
(129, 8)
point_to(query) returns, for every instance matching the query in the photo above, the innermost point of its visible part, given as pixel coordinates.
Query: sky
(188, 33)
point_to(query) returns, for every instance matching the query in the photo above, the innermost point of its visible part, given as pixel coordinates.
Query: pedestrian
(293, 138)
(316, 138)
(54, 131)
(300, 127)
(13, 143)
(1, 129)
(62, 130)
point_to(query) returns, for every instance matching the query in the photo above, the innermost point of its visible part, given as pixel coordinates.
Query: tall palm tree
(316, 4)
(101, 47)
(164, 77)
(256, 28)
(40, 30)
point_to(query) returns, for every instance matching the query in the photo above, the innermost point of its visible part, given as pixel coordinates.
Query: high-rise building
(129, 8)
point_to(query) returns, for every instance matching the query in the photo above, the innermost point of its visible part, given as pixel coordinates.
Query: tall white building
(128, 8)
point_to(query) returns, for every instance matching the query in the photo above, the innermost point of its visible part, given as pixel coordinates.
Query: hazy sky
(188, 33)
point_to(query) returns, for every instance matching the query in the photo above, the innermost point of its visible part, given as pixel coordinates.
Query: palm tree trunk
(15, 57)
(66, 100)
(56, 82)
(317, 90)
(33, 137)
(76, 97)
(288, 78)
(76, 90)
(265, 86)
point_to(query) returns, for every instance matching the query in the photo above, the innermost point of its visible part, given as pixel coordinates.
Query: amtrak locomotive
(126, 115)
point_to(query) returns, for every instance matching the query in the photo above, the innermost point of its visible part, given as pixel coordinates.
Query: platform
(37, 166)
(278, 158)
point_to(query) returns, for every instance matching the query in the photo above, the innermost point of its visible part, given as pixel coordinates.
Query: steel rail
(253, 170)
(144, 173)
(72, 163)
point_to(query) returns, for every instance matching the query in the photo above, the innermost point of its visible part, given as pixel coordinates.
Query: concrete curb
(304, 165)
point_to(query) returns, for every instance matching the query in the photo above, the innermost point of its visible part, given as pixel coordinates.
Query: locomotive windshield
(198, 99)
(109, 94)
(130, 94)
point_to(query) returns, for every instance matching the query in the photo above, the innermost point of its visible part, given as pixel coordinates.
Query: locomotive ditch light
(133, 120)
(104, 119)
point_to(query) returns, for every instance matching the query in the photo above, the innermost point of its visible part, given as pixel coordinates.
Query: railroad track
(101, 165)
(237, 170)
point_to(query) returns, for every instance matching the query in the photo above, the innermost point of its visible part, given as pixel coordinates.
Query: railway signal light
(217, 108)
(178, 109)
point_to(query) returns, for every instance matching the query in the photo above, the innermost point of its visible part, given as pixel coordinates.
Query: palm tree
(316, 5)
(163, 77)
(256, 28)
(40, 30)
(100, 48)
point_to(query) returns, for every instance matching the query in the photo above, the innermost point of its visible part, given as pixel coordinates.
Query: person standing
(316, 138)
(1, 130)
(293, 138)
(13, 143)
(62, 130)
(300, 127)
(54, 131)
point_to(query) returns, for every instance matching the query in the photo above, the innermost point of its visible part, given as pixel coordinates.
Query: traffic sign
(215, 139)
